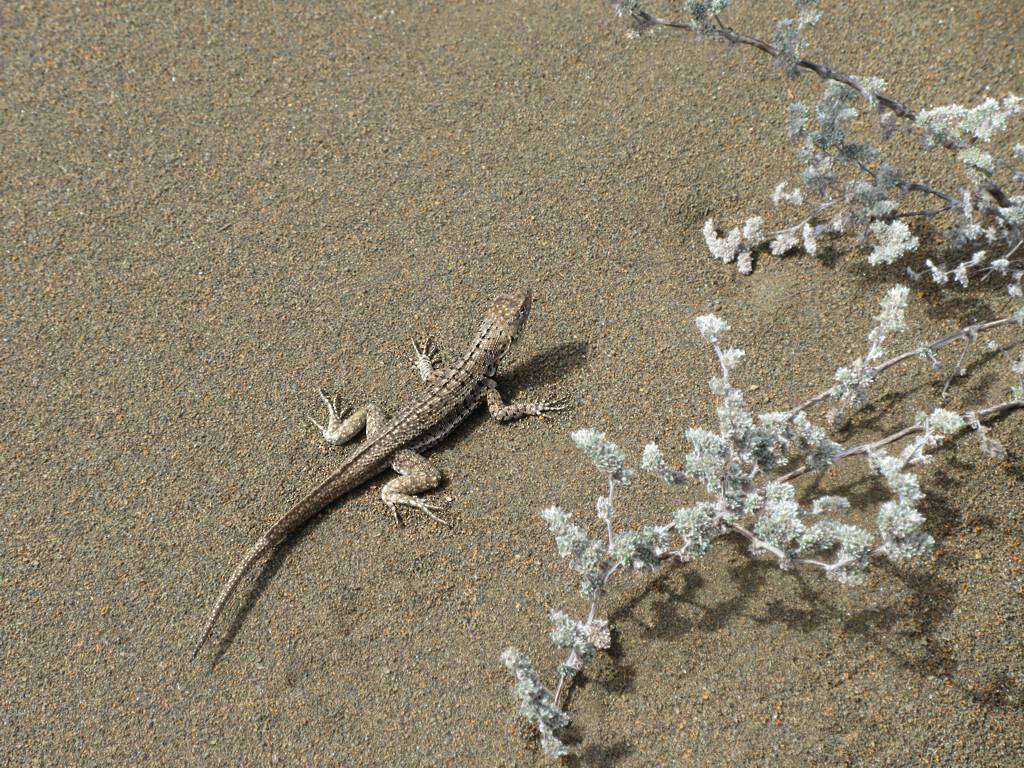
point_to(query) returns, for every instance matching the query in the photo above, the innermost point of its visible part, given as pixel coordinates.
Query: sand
(209, 212)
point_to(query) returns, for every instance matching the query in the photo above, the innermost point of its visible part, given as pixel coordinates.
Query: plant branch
(966, 332)
(573, 658)
(983, 414)
(797, 562)
(642, 19)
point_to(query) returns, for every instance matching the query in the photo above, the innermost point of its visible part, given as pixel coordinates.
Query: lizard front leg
(341, 428)
(504, 413)
(427, 360)
(416, 474)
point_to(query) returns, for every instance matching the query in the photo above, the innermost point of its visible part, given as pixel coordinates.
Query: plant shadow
(904, 629)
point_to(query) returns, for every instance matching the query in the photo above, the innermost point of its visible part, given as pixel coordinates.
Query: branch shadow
(982, 300)
(604, 756)
(668, 625)
(1014, 465)
(974, 305)
(888, 628)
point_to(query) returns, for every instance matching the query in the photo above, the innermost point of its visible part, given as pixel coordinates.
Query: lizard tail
(254, 554)
(326, 492)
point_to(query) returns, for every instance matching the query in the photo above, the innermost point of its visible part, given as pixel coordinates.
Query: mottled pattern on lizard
(452, 394)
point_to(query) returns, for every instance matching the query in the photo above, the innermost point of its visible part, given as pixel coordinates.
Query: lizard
(452, 394)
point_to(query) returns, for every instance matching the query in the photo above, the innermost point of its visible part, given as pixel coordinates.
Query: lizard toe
(557, 404)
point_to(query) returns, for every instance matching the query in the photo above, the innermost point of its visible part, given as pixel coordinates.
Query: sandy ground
(208, 212)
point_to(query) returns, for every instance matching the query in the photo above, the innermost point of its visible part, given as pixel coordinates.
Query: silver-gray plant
(848, 188)
(746, 466)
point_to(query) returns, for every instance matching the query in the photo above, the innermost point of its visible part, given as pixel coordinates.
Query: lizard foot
(554, 405)
(427, 358)
(394, 501)
(336, 410)
(426, 348)
(540, 407)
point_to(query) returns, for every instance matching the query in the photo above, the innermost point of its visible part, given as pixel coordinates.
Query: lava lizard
(452, 394)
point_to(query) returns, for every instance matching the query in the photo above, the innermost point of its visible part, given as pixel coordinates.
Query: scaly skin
(451, 396)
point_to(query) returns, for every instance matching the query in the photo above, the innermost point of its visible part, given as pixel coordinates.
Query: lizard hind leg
(415, 475)
(341, 425)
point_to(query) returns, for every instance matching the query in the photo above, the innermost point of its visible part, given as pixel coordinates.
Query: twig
(644, 19)
(573, 658)
(984, 413)
(958, 368)
(796, 562)
(965, 332)
(883, 101)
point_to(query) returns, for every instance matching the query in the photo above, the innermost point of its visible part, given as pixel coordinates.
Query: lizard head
(504, 320)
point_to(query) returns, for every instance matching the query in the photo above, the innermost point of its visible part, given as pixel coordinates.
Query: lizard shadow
(546, 367)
